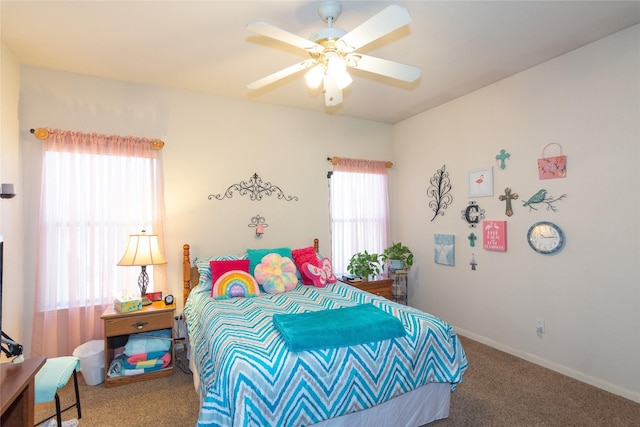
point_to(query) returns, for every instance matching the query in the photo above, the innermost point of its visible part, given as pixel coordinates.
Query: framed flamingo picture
(480, 182)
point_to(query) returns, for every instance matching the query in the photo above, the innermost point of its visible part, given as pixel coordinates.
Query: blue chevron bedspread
(249, 378)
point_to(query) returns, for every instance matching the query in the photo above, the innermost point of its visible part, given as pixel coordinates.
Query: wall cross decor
(439, 190)
(502, 157)
(255, 189)
(508, 196)
(472, 239)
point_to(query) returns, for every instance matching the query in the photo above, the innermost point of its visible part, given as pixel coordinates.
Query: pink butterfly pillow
(320, 276)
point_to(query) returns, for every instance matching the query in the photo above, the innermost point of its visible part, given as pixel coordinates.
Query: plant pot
(396, 264)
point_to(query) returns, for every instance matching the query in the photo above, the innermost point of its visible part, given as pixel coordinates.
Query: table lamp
(143, 249)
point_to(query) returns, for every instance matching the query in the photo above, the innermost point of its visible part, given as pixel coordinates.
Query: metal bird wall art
(541, 197)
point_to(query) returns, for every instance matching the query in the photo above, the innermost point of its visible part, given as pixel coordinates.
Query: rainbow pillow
(235, 283)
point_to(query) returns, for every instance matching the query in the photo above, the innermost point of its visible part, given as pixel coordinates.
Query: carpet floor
(498, 390)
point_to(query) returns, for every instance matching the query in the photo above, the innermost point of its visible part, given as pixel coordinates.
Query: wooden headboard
(190, 275)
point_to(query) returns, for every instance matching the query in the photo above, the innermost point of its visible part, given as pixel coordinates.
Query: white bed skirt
(421, 406)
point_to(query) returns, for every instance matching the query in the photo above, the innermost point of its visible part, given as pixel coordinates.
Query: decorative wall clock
(545, 238)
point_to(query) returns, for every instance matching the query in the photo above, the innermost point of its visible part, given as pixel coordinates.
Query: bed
(246, 375)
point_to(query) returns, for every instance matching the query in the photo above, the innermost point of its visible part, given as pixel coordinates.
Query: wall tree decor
(440, 190)
(255, 189)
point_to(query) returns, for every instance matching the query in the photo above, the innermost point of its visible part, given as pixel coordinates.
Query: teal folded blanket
(360, 324)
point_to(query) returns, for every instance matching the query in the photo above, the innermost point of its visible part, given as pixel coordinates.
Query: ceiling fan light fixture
(342, 79)
(336, 64)
(314, 76)
(337, 68)
(333, 50)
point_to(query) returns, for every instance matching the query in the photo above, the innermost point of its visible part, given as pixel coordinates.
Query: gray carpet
(498, 390)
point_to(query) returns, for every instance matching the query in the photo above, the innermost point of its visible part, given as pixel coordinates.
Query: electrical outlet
(540, 326)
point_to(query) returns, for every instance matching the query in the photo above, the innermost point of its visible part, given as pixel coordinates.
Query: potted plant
(365, 265)
(399, 256)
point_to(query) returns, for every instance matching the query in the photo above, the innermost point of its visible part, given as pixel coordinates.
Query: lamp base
(146, 301)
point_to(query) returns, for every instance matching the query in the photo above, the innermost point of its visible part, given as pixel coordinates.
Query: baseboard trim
(577, 375)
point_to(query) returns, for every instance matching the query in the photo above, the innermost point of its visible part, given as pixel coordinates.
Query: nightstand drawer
(377, 287)
(382, 291)
(135, 324)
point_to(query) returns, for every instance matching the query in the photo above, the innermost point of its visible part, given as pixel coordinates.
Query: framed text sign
(494, 235)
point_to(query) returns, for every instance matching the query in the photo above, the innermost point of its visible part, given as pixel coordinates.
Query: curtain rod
(335, 160)
(42, 133)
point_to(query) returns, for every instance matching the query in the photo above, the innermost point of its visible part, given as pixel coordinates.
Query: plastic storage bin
(91, 355)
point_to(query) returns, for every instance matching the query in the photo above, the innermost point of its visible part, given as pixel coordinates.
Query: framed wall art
(444, 249)
(494, 235)
(480, 182)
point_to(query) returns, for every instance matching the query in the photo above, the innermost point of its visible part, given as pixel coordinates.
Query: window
(96, 191)
(359, 210)
(91, 203)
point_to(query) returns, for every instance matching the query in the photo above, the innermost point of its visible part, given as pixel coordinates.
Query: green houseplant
(399, 256)
(365, 265)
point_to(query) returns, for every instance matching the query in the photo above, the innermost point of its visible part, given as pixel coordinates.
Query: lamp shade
(143, 249)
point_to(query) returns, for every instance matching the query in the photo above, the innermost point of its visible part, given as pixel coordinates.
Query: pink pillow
(320, 276)
(304, 255)
(218, 268)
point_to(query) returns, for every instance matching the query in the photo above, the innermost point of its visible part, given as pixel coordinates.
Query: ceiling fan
(333, 50)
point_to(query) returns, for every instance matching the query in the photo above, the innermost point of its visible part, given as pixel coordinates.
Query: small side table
(118, 326)
(399, 288)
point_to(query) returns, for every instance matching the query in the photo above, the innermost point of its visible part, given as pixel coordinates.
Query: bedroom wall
(11, 209)
(588, 294)
(211, 144)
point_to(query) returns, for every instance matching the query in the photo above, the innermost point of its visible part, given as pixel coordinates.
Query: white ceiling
(203, 46)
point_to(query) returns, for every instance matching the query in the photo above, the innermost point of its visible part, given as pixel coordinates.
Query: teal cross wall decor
(502, 158)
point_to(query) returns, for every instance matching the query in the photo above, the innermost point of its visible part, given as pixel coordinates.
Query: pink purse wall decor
(552, 167)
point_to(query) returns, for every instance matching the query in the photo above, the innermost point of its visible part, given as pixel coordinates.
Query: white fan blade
(386, 21)
(332, 94)
(284, 36)
(286, 72)
(395, 70)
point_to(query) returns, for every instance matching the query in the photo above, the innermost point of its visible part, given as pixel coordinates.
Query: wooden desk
(17, 392)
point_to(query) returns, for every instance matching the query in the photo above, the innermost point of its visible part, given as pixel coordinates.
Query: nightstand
(117, 328)
(380, 287)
